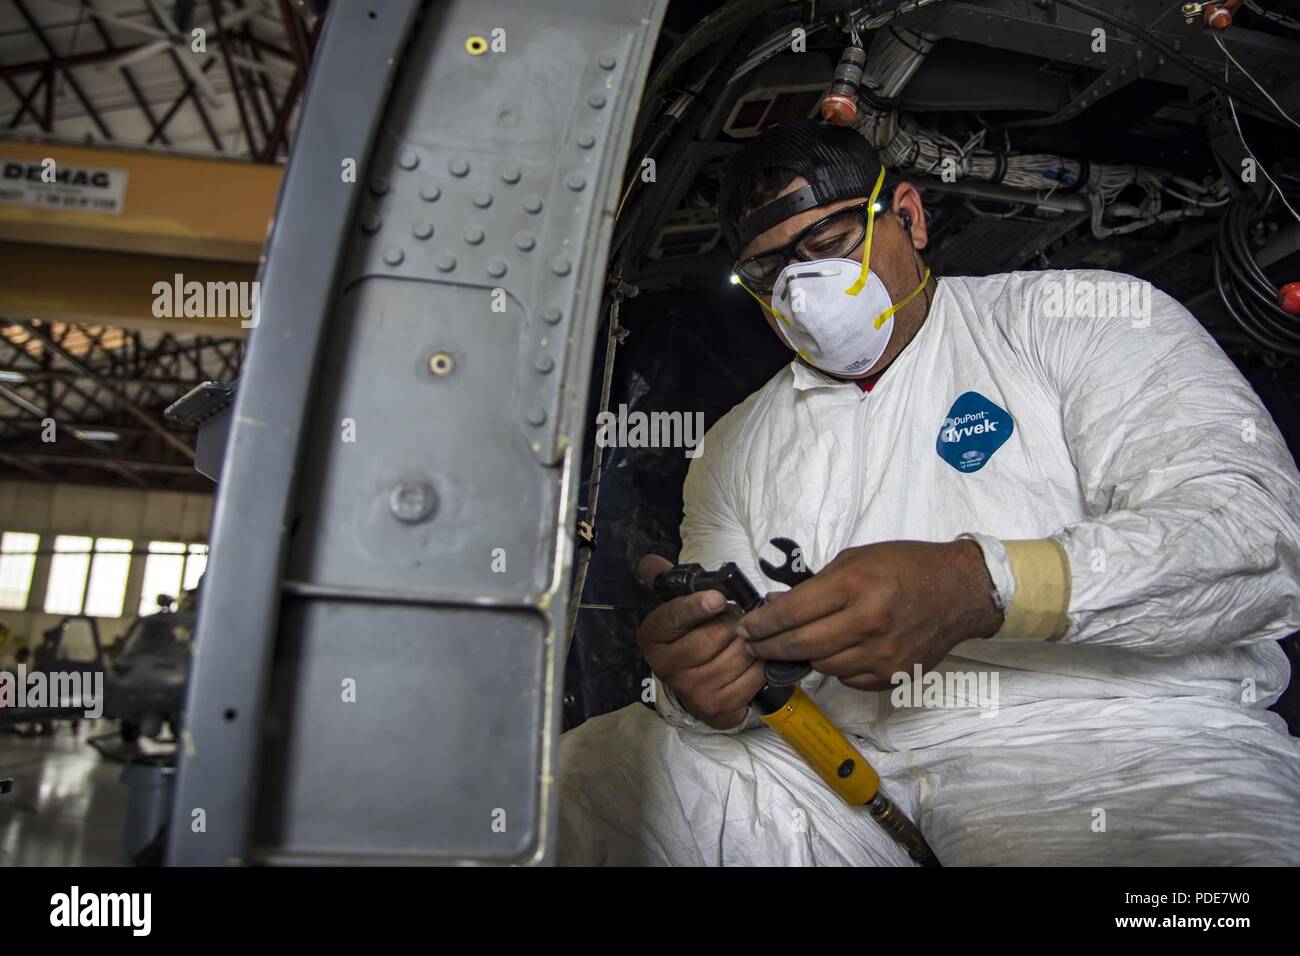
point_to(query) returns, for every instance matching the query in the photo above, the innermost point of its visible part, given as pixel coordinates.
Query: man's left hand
(879, 609)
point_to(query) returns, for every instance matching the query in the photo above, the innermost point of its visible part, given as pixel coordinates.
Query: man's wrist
(985, 609)
(998, 567)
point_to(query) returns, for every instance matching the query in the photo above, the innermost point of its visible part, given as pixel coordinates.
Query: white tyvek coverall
(1140, 737)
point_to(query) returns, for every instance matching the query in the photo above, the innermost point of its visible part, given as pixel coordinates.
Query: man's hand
(691, 645)
(880, 609)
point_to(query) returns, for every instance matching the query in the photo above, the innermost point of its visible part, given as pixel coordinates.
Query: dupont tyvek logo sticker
(972, 431)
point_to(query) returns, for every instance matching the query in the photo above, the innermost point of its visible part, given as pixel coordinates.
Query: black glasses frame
(790, 249)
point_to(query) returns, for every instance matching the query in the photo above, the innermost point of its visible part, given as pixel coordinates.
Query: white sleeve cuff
(999, 568)
(670, 709)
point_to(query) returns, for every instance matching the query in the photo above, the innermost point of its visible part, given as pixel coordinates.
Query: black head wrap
(837, 162)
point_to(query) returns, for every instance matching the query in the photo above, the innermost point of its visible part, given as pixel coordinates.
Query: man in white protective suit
(1057, 538)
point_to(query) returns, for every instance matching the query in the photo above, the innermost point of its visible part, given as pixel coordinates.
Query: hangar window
(172, 566)
(106, 592)
(17, 561)
(196, 562)
(69, 569)
(88, 575)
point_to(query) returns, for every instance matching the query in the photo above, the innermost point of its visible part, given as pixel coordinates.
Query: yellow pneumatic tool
(783, 705)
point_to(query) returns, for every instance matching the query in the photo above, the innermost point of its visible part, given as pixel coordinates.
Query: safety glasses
(833, 237)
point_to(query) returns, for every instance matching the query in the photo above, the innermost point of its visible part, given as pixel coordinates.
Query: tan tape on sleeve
(1042, 573)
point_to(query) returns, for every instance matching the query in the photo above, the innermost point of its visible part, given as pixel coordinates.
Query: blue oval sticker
(972, 431)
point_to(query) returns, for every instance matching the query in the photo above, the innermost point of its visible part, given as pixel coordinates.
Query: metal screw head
(412, 500)
(441, 363)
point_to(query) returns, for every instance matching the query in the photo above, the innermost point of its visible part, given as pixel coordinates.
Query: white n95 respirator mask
(836, 332)
(835, 313)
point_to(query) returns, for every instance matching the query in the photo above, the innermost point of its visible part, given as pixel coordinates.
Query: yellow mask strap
(759, 299)
(880, 319)
(883, 317)
(871, 225)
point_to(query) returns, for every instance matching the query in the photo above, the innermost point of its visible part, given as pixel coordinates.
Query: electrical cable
(1197, 202)
(1246, 74)
(776, 44)
(1015, 210)
(1247, 293)
(723, 23)
(1232, 108)
(895, 55)
(1278, 18)
(1165, 49)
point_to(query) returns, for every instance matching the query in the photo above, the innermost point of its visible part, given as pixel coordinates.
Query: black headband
(779, 210)
(796, 202)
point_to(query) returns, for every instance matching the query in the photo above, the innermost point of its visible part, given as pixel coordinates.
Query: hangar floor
(68, 804)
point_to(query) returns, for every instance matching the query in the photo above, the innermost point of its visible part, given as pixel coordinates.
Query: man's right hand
(691, 645)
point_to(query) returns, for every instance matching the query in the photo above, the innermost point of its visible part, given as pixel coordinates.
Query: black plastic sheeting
(688, 351)
(685, 351)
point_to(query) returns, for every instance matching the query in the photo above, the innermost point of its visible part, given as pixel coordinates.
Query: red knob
(839, 110)
(1289, 297)
(1218, 17)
